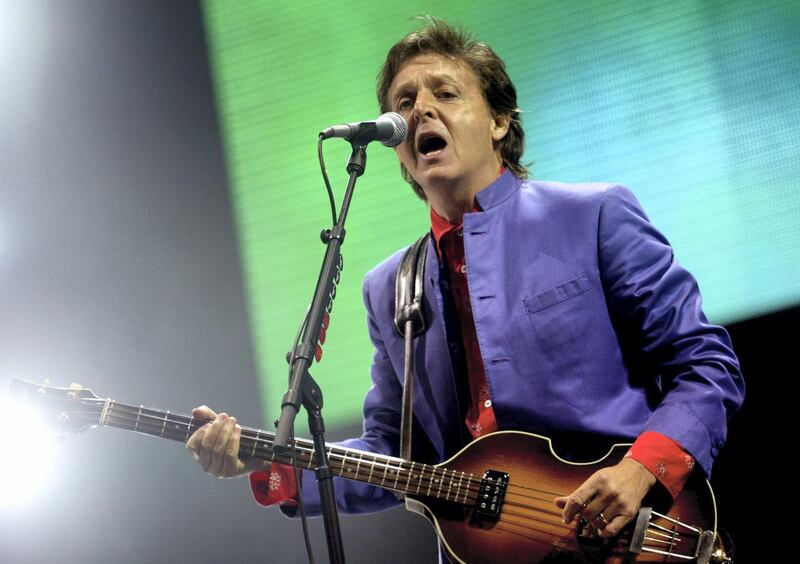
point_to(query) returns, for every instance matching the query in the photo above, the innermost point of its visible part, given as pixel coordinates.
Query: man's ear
(499, 127)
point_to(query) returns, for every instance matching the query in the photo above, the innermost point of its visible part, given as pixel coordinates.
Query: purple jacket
(585, 321)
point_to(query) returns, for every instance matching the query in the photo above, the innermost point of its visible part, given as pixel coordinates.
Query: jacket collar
(498, 191)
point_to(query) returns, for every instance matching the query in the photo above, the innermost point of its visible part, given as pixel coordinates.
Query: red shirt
(480, 419)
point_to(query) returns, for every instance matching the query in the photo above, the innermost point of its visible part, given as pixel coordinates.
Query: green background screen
(693, 105)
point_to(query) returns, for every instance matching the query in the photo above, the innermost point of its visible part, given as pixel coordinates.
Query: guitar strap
(410, 322)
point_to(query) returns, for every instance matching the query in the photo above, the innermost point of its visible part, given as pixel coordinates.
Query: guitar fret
(449, 489)
(419, 482)
(397, 476)
(385, 470)
(440, 486)
(371, 470)
(138, 415)
(358, 464)
(104, 414)
(458, 487)
(164, 425)
(108, 414)
(410, 477)
(255, 443)
(430, 482)
(188, 430)
(344, 463)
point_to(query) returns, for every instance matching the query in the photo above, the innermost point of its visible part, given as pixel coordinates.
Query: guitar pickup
(491, 494)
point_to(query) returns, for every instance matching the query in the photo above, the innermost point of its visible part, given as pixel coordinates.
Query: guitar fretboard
(385, 471)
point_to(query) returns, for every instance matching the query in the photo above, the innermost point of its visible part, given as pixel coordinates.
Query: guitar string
(562, 528)
(160, 423)
(509, 502)
(408, 482)
(159, 426)
(387, 474)
(560, 545)
(438, 475)
(177, 418)
(619, 546)
(673, 538)
(618, 549)
(162, 419)
(334, 451)
(558, 540)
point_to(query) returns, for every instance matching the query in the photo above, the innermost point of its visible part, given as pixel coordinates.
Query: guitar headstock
(73, 409)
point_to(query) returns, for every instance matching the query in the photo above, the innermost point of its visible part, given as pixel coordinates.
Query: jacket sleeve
(381, 434)
(657, 303)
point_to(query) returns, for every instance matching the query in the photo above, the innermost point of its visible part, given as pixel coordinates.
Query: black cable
(303, 518)
(299, 487)
(300, 333)
(325, 177)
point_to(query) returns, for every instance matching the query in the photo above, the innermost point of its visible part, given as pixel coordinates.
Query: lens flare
(28, 453)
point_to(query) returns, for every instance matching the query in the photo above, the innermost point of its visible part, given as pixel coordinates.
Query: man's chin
(437, 177)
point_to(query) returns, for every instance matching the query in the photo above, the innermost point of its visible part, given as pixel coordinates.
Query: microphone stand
(303, 390)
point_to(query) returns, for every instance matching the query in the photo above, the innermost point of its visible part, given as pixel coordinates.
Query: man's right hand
(215, 445)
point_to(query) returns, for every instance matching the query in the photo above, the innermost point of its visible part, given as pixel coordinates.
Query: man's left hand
(610, 498)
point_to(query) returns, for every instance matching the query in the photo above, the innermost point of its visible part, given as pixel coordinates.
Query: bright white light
(28, 453)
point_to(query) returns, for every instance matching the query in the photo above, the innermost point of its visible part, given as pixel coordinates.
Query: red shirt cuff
(664, 458)
(278, 486)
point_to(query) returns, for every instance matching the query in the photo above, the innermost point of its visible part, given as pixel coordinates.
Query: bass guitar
(491, 502)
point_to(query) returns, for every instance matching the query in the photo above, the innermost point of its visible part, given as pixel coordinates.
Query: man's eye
(404, 104)
(446, 94)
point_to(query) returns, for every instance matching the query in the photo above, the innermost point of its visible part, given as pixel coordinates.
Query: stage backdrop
(693, 105)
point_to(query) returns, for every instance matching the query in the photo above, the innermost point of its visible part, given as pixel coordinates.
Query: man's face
(452, 135)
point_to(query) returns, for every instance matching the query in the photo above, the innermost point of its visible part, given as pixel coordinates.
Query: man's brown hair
(440, 38)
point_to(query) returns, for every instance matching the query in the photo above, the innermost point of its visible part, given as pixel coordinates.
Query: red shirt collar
(440, 226)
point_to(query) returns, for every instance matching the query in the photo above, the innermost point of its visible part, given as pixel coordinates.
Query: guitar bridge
(491, 494)
(674, 539)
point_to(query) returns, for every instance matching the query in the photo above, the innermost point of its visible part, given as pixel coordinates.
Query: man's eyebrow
(402, 90)
(435, 80)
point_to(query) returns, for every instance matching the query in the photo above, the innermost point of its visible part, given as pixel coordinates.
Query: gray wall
(119, 269)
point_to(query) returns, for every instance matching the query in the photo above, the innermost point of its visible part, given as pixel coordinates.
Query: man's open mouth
(430, 144)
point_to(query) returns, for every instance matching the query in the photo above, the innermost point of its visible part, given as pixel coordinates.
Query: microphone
(390, 129)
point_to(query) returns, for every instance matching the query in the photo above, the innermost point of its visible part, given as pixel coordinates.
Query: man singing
(553, 308)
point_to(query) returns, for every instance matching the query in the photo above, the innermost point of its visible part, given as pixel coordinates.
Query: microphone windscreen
(392, 129)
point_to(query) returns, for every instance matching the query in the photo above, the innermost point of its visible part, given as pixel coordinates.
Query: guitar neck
(385, 471)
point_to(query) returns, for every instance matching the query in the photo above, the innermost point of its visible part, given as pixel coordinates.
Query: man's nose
(424, 106)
